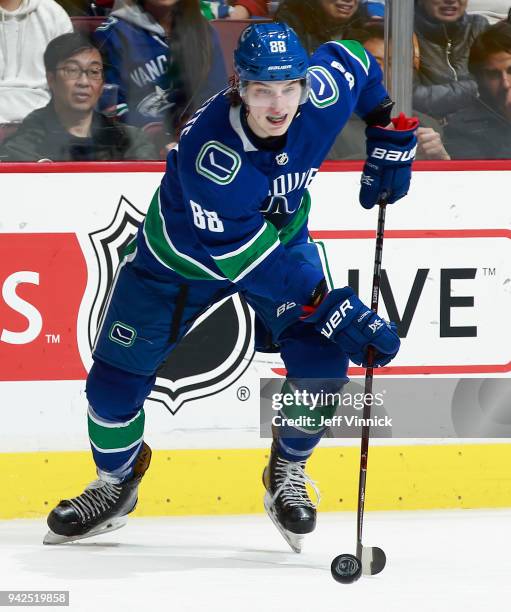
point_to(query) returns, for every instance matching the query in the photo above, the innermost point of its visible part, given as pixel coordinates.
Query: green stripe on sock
(311, 419)
(121, 436)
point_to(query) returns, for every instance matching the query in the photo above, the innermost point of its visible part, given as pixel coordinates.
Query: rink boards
(446, 258)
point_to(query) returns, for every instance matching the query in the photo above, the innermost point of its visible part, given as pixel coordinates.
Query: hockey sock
(301, 424)
(115, 445)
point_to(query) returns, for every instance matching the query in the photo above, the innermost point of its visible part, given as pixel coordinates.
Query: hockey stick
(373, 558)
(369, 560)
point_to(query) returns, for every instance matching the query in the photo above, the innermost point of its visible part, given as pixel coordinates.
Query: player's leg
(314, 365)
(316, 373)
(146, 318)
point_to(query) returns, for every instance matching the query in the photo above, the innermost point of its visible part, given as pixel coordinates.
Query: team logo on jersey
(218, 162)
(282, 159)
(214, 353)
(324, 90)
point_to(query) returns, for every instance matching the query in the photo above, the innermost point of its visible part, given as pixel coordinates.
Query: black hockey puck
(346, 569)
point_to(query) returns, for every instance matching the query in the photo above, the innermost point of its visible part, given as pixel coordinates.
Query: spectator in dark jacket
(483, 130)
(351, 143)
(165, 59)
(68, 128)
(443, 84)
(318, 21)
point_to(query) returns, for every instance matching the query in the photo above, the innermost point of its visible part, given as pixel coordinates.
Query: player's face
(445, 10)
(74, 89)
(495, 82)
(339, 10)
(272, 106)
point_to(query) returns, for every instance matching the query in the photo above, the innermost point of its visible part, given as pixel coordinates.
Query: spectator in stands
(165, 58)
(317, 21)
(483, 131)
(493, 10)
(26, 27)
(234, 9)
(375, 9)
(443, 84)
(68, 128)
(350, 144)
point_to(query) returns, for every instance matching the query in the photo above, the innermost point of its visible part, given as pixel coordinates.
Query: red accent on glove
(402, 122)
(307, 311)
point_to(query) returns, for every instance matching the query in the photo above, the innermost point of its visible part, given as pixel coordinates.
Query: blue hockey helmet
(270, 52)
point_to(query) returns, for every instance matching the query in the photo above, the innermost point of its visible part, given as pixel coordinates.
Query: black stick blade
(373, 560)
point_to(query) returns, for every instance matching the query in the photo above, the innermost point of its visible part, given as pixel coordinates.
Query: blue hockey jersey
(227, 210)
(138, 61)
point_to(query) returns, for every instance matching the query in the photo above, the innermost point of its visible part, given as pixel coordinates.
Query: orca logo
(213, 354)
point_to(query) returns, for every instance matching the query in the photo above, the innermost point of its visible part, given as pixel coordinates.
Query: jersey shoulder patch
(324, 89)
(354, 49)
(218, 162)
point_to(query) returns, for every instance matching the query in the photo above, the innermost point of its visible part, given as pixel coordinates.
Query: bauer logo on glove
(344, 319)
(388, 169)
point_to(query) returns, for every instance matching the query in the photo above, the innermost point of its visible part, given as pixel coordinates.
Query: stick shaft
(364, 443)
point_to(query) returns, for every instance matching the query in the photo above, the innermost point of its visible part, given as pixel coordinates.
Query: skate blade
(110, 525)
(295, 540)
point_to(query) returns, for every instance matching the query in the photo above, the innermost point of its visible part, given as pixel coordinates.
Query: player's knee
(115, 393)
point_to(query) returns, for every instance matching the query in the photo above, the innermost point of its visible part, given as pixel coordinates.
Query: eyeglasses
(73, 73)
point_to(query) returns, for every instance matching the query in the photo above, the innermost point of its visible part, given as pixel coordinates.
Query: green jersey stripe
(357, 52)
(255, 263)
(237, 266)
(289, 231)
(159, 243)
(244, 247)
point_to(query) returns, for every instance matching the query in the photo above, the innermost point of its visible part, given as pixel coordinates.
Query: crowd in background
(123, 88)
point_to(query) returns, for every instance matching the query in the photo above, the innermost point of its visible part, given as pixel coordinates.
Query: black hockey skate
(102, 507)
(286, 500)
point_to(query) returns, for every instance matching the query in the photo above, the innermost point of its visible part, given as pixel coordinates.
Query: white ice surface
(445, 561)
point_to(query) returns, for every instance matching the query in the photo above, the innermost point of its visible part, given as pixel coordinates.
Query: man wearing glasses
(69, 128)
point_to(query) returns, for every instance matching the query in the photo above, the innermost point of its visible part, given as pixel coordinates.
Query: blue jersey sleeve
(222, 196)
(345, 78)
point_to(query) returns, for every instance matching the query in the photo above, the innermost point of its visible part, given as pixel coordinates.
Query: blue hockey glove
(388, 168)
(344, 319)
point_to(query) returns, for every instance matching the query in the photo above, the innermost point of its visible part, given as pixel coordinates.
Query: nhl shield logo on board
(221, 336)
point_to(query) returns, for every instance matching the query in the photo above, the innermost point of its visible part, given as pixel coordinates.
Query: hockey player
(230, 216)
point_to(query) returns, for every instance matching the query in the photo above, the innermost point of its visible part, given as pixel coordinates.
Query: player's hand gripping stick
(390, 154)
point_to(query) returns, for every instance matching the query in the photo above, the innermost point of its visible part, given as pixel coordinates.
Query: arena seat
(229, 31)
(86, 24)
